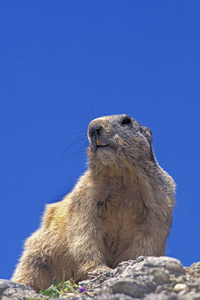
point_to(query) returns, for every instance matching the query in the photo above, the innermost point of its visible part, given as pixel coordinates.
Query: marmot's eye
(126, 121)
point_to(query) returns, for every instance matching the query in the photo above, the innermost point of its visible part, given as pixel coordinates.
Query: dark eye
(126, 121)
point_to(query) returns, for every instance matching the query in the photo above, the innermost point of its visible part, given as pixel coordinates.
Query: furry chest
(117, 230)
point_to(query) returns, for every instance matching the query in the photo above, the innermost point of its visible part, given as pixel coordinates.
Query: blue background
(63, 63)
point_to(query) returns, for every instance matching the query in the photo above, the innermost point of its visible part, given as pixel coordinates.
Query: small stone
(160, 276)
(193, 285)
(130, 287)
(179, 287)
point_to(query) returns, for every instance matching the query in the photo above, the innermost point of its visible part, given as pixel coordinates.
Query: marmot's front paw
(98, 271)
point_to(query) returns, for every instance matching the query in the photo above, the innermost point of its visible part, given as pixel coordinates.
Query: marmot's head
(119, 140)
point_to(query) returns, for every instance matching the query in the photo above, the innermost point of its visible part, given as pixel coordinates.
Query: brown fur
(120, 208)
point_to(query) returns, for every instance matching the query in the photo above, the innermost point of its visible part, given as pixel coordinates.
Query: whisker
(77, 133)
(82, 150)
(77, 142)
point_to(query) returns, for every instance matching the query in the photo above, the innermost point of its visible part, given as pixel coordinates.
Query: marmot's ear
(147, 133)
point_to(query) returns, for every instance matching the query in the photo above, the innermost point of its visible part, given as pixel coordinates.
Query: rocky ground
(150, 278)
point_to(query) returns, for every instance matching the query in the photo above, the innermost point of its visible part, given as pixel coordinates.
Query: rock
(131, 288)
(12, 290)
(148, 278)
(156, 278)
(194, 269)
(180, 287)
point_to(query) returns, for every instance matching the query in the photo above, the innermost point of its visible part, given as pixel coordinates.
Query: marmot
(120, 208)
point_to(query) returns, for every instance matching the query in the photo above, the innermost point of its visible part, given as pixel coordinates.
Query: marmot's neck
(123, 179)
(99, 171)
(108, 173)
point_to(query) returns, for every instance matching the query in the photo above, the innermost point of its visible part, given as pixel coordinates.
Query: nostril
(95, 130)
(98, 131)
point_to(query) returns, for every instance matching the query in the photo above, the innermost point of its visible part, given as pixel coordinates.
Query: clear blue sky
(64, 62)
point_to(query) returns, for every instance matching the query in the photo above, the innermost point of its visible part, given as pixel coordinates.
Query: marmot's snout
(95, 130)
(96, 134)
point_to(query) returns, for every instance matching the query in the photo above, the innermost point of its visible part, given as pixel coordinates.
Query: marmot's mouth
(99, 144)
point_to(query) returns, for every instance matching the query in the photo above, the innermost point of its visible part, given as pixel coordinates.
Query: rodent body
(120, 208)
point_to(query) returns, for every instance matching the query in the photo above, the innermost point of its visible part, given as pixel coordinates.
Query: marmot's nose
(95, 130)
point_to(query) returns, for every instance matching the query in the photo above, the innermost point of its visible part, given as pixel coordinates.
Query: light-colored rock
(179, 287)
(131, 288)
(150, 278)
(11, 290)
